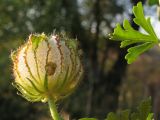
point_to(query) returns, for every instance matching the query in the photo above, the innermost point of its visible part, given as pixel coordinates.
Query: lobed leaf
(150, 116)
(143, 112)
(135, 51)
(112, 116)
(144, 109)
(142, 21)
(128, 35)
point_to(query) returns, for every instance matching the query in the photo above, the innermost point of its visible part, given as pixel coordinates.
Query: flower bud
(47, 66)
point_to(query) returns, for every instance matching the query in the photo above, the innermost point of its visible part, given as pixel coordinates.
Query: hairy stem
(53, 109)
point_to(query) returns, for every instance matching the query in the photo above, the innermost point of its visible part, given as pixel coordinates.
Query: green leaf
(153, 2)
(134, 52)
(112, 116)
(135, 116)
(144, 109)
(124, 115)
(143, 112)
(87, 119)
(128, 35)
(142, 21)
(150, 116)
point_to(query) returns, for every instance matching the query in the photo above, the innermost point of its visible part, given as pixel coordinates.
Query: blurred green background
(109, 83)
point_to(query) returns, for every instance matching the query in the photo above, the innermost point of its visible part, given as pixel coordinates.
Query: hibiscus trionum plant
(49, 68)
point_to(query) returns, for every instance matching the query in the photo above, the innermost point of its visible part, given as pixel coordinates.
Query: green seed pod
(47, 66)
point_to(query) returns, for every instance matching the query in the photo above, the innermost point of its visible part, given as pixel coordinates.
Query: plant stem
(53, 109)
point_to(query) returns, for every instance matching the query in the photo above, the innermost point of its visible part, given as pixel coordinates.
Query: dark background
(109, 84)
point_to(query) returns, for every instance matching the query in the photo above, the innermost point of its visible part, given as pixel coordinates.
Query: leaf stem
(53, 109)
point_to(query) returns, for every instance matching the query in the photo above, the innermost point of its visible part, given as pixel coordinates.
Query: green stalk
(53, 109)
(158, 10)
